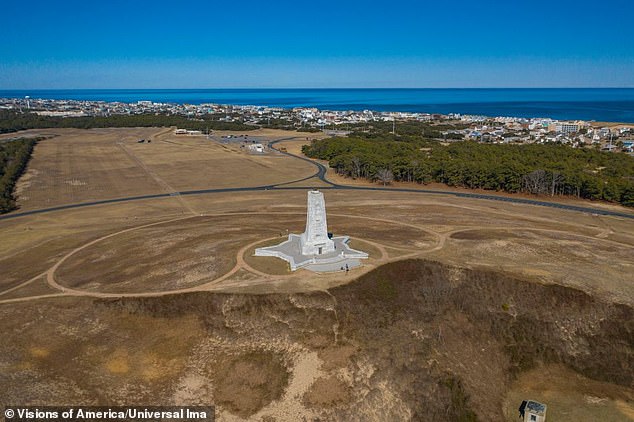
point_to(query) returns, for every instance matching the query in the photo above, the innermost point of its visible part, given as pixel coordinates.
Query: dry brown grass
(246, 383)
(118, 356)
(81, 166)
(384, 232)
(561, 257)
(169, 256)
(327, 392)
(86, 165)
(35, 288)
(570, 397)
(197, 163)
(267, 264)
(34, 243)
(379, 347)
(372, 251)
(93, 351)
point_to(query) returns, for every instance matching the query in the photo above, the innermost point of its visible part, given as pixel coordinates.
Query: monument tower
(315, 239)
(314, 249)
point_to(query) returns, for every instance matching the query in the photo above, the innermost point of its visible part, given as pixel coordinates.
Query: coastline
(592, 104)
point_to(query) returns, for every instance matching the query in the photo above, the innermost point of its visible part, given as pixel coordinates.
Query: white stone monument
(314, 249)
(315, 240)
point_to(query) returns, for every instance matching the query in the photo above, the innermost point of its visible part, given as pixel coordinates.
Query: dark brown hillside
(411, 340)
(430, 329)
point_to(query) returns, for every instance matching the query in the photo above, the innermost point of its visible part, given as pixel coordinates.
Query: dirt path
(211, 285)
(26, 283)
(223, 281)
(440, 237)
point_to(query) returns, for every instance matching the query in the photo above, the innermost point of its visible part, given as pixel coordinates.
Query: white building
(256, 147)
(566, 127)
(315, 249)
(532, 411)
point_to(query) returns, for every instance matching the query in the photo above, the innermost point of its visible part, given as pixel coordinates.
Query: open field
(79, 165)
(464, 306)
(571, 397)
(86, 165)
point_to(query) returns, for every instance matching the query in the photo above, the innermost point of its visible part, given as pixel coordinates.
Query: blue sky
(217, 44)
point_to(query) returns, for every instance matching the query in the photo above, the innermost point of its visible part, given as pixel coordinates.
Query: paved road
(321, 169)
(321, 175)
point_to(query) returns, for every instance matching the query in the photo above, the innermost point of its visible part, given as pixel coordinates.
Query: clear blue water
(602, 104)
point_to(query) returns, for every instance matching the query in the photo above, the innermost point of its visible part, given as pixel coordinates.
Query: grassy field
(570, 396)
(81, 166)
(86, 165)
(162, 298)
(559, 246)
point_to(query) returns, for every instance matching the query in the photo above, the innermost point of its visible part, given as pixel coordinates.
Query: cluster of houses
(616, 138)
(574, 133)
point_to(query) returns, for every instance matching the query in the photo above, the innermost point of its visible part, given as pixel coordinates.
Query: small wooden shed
(532, 411)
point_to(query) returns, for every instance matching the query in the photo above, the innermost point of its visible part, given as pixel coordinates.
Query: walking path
(261, 277)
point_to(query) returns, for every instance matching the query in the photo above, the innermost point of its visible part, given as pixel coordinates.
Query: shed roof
(536, 407)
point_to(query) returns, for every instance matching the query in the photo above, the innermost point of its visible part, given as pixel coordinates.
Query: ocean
(600, 104)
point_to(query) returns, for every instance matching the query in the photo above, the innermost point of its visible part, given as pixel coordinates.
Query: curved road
(321, 175)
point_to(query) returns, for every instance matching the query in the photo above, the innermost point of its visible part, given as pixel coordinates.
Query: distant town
(610, 137)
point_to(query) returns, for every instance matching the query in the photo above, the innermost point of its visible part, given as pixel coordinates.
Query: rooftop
(536, 407)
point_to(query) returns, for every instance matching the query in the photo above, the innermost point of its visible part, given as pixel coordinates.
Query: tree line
(534, 168)
(14, 156)
(11, 121)
(409, 128)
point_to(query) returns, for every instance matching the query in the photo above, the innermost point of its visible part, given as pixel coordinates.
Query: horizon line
(312, 88)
